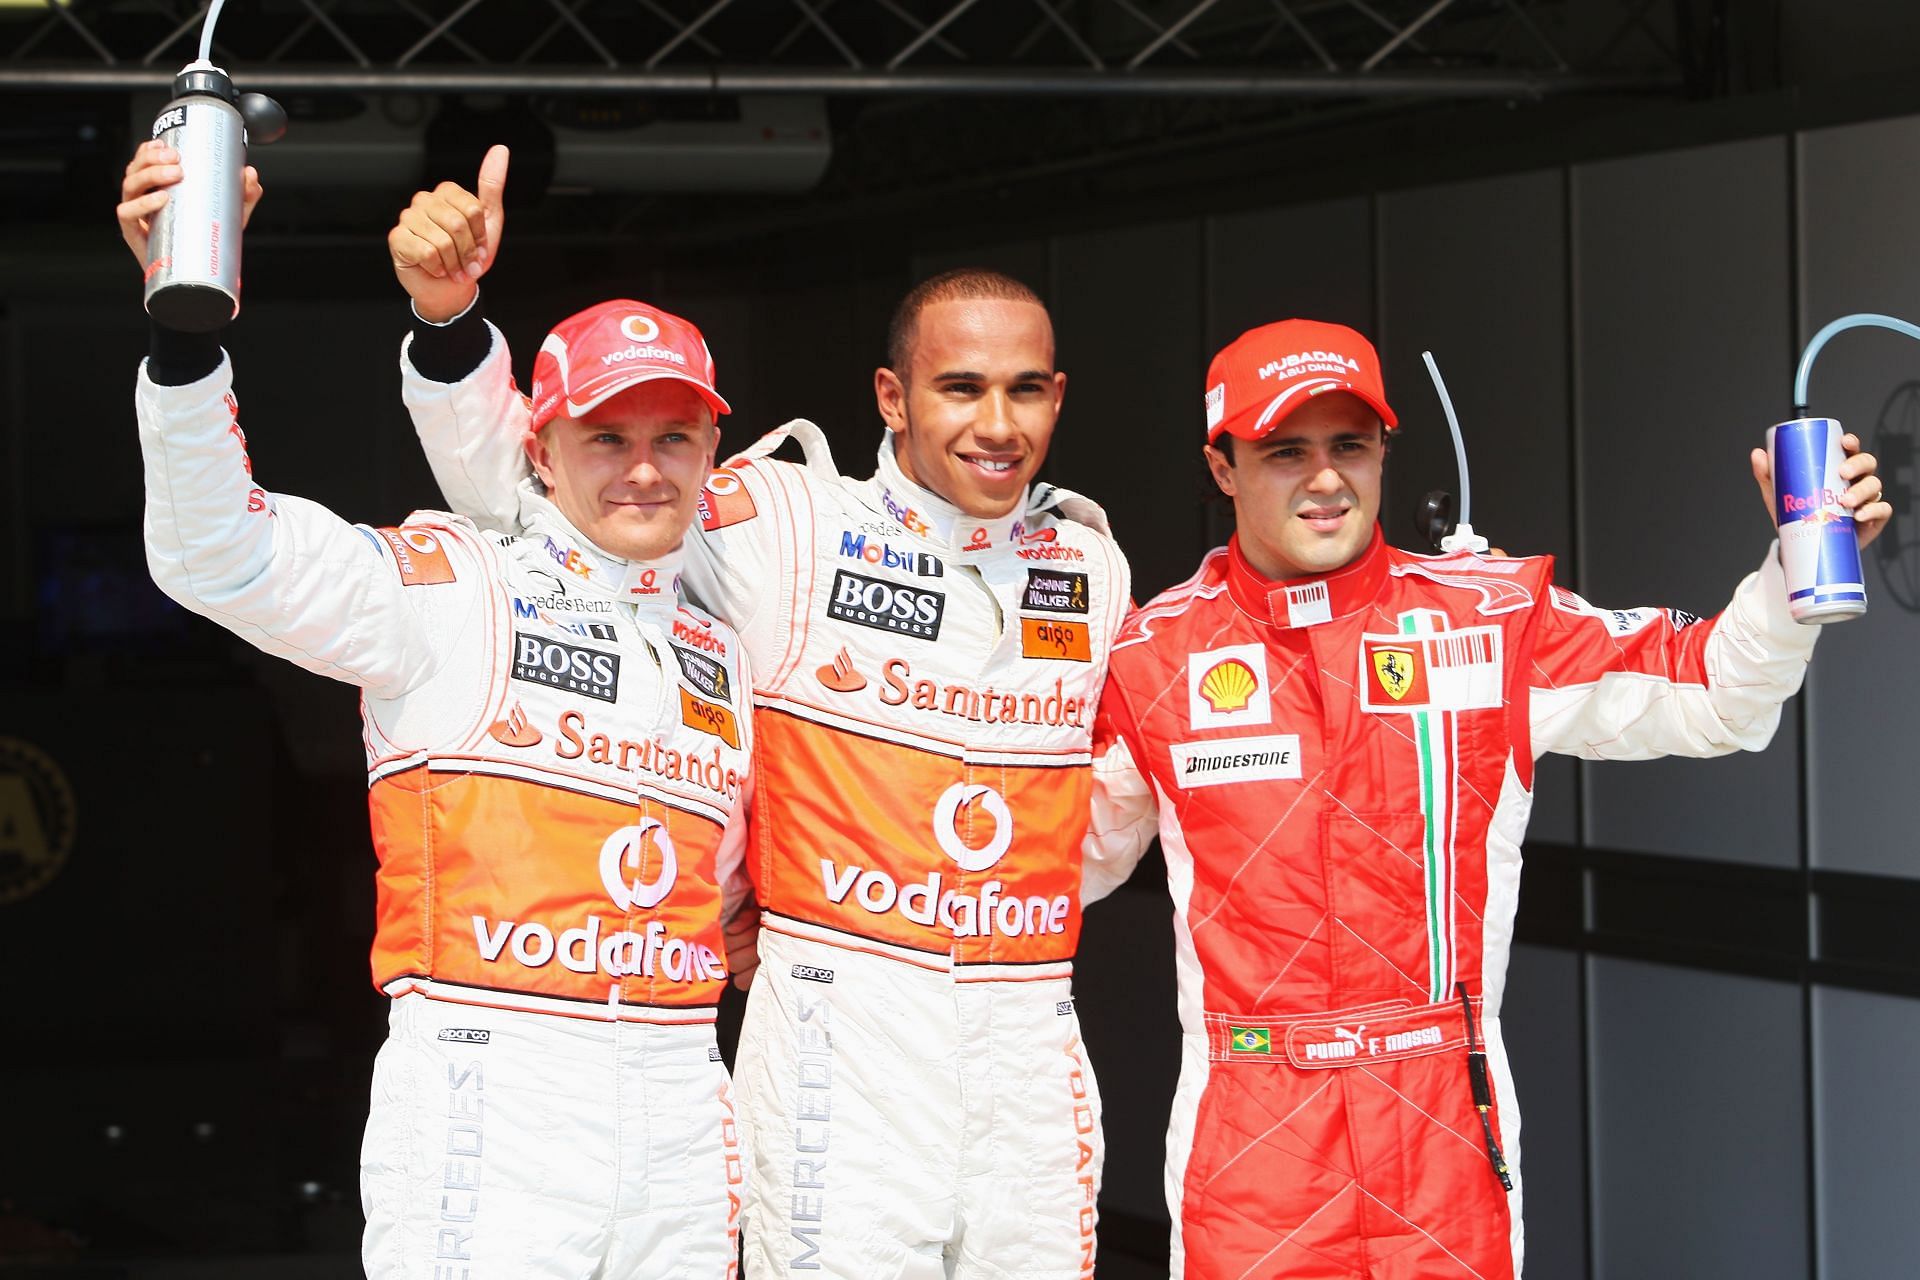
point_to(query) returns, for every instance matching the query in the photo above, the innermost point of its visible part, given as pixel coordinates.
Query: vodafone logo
(425, 543)
(975, 800)
(627, 847)
(639, 329)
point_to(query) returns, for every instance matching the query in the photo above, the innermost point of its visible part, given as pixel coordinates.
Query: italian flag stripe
(1432, 734)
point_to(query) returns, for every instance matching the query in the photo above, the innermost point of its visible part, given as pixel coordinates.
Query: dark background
(1712, 1007)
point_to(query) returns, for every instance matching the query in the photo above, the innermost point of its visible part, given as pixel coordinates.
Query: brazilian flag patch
(1250, 1039)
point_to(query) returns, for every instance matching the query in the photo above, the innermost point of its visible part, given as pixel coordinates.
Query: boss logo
(886, 606)
(555, 663)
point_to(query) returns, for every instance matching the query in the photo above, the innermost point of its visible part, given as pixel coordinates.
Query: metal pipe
(1072, 82)
(1405, 34)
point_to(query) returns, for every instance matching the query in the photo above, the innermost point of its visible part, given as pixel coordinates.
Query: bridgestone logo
(1209, 764)
(1202, 763)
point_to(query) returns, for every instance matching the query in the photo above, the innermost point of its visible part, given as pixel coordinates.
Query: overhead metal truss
(1273, 49)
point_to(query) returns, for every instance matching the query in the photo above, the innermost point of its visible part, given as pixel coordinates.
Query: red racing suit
(557, 755)
(911, 1076)
(1342, 767)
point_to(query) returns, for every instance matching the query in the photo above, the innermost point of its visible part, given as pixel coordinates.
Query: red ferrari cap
(598, 353)
(1266, 373)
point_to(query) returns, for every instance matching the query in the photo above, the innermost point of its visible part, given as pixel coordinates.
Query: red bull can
(1818, 547)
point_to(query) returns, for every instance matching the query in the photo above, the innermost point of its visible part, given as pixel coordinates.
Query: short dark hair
(958, 285)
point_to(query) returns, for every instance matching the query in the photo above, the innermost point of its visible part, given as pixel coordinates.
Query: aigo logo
(639, 329)
(977, 801)
(627, 848)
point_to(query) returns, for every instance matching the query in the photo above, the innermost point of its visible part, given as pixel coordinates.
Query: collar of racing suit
(928, 515)
(652, 587)
(1312, 599)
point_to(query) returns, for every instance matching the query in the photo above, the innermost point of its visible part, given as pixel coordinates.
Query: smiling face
(628, 475)
(1306, 495)
(974, 411)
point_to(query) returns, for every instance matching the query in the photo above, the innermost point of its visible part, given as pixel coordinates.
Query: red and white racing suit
(916, 1096)
(1342, 767)
(557, 752)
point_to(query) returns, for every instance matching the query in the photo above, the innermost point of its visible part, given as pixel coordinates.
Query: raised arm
(284, 574)
(1630, 684)
(455, 375)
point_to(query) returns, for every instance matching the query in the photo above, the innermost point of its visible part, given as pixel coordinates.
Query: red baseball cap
(1266, 373)
(596, 354)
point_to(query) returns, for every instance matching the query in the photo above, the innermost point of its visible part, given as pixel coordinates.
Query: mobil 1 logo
(1056, 590)
(886, 606)
(560, 665)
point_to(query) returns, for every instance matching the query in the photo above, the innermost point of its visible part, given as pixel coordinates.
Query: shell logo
(628, 846)
(982, 806)
(639, 329)
(1229, 686)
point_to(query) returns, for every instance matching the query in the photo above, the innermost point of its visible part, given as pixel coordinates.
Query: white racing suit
(915, 1093)
(557, 753)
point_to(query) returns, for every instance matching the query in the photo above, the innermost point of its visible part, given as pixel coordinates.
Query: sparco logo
(812, 974)
(564, 666)
(466, 1035)
(886, 606)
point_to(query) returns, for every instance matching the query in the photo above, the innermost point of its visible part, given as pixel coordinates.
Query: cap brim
(627, 381)
(1252, 426)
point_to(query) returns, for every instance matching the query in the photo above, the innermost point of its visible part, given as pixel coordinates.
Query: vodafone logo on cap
(639, 329)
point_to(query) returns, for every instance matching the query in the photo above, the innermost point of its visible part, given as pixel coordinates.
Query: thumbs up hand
(447, 238)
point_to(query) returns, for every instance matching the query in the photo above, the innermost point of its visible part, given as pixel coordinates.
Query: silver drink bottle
(193, 249)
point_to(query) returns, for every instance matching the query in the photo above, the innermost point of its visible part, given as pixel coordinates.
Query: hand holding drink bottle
(1827, 503)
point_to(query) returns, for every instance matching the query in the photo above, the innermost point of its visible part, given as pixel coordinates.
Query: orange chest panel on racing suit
(925, 687)
(551, 810)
